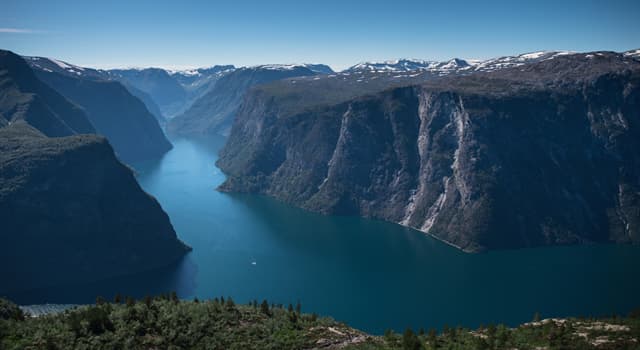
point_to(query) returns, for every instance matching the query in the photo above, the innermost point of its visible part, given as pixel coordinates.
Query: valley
(395, 194)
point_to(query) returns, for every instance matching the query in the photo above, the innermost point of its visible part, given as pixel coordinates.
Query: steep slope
(52, 65)
(118, 115)
(538, 154)
(24, 97)
(213, 113)
(71, 212)
(151, 105)
(165, 90)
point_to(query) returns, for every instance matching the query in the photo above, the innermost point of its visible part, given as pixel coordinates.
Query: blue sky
(184, 34)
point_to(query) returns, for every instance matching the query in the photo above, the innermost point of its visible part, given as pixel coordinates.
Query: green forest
(165, 322)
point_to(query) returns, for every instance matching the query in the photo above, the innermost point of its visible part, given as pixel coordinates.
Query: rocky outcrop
(536, 155)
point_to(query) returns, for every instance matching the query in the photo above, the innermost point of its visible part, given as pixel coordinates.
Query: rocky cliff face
(71, 212)
(536, 155)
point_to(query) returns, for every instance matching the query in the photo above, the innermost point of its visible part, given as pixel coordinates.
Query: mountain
(172, 90)
(157, 83)
(407, 65)
(24, 97)
(148, 101)
(197, 81)
(70, 211)
(633, 53)
(537, 154)
(213, 113)
(317, 68)
(453, 66)
(51, 65)
(118, 115)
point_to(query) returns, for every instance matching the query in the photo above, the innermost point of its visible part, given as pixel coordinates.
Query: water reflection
(179, 277)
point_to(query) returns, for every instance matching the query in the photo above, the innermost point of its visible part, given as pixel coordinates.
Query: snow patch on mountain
(455, 65)
(633, 53)
(317, 68)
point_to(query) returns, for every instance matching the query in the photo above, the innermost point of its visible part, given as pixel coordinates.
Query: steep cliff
(541, 154)
(71, 212)
(118, 115)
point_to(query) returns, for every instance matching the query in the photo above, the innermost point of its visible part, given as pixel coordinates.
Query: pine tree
(174, 297)
(230, 305)
(432, 338)
(293, 317)
(264, 308)
(410, 341)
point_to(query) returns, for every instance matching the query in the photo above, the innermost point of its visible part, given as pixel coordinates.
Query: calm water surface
(373, 275)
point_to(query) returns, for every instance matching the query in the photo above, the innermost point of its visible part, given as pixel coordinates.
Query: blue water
(370, 274)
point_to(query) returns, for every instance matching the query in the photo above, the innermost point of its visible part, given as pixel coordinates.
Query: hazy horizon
(247, 33)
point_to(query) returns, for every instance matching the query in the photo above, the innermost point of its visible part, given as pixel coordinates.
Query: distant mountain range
(214, 112)
(172, 91)
(455, 65)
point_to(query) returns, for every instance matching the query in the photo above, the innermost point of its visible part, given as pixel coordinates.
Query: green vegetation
(167, 323)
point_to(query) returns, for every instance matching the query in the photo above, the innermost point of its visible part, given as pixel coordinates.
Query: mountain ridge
(213, 113)
(116, 113)
(71, 212)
